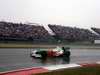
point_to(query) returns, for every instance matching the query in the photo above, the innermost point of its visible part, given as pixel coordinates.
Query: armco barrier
(46, 69)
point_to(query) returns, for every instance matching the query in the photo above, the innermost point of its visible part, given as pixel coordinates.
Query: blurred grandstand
(23, 32)
(97, 30)
(37, 33)
(72, 34)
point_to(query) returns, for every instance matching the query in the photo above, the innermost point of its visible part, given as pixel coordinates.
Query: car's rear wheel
(67, 53)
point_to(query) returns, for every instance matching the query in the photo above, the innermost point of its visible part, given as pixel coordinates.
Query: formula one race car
(56, 52)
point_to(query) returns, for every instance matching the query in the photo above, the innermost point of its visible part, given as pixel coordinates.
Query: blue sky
(79, 13)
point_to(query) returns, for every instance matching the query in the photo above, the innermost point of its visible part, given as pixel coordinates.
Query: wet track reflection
(53, 61)
(11, 59)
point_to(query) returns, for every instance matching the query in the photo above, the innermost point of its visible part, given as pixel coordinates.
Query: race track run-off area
(17, 61)
(50, 69)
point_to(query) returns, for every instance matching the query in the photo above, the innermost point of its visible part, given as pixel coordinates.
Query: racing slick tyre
(43, 54)
(67, 54)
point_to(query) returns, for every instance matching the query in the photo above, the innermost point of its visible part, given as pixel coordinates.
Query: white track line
(98, 62)
(56, 67)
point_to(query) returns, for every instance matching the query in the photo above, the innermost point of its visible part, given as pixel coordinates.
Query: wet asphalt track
(11, 59)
